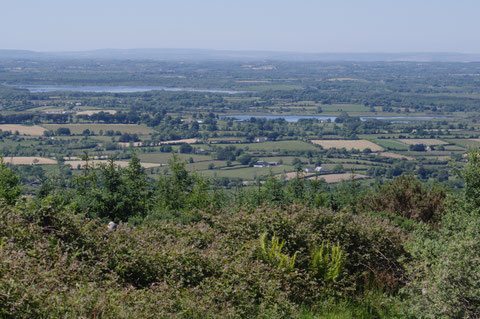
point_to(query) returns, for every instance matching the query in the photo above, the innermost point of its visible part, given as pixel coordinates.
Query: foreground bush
(54, 264)
(445, 274)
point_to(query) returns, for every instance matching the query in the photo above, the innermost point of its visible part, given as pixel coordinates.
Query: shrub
(373, 246)
(407, 197)
(446, 271)
(417, 148)
(56, 264)
(63, 131)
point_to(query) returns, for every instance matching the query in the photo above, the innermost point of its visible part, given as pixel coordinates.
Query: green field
(201, 166)
(247, 173)
(285, 159)
(466, 143)
(344, 107)
(266, 87)
(391, 144)
(123, 128)
(278, 146)
(165, 157)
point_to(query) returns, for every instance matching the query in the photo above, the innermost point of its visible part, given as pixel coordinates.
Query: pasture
(34, 130)
(424, 141)
(247, 173)
(274, 146)
(474, 142)
(74, 164)
(95, 128)
(391, 144)
(201, 166)
(348, 144)
(139, 144)
(29, 160)
(394, 155)
(164, 158)
(344, 107)
(134, 144)
(91, 112)
(335, 178)
(187, 140)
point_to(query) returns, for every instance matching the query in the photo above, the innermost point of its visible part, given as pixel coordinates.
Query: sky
(272, 25)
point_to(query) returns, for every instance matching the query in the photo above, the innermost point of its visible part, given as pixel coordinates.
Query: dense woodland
(162, 204)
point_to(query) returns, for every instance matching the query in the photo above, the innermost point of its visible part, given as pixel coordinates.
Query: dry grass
(290, 175)
(346, 79)
(135, 144)
(75, 164)
(329, 178)
(251, 81)
(23, 129)
(91, 112)
(348, 144)
(394, 155)
(424, 141)
(335, 178)
(29, 160)
(188, 141)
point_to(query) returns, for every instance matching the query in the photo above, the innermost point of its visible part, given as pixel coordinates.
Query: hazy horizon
(240, 50)
(342, 26)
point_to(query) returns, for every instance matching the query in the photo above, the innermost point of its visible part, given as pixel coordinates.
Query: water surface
(114, 89)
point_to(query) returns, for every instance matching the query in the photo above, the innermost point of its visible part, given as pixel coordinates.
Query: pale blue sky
(279, 25)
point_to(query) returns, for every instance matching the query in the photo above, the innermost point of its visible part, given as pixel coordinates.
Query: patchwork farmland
(360, 145)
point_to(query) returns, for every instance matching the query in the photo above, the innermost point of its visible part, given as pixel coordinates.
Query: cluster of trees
(128, 137)
(34, 118)
(120, 117)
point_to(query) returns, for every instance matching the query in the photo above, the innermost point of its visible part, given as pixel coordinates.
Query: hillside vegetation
(183, 248)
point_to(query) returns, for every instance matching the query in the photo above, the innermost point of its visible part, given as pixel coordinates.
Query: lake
(295, 118)
(114, 89)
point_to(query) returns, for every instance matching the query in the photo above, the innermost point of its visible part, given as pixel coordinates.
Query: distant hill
(20, 54)
(226, 55)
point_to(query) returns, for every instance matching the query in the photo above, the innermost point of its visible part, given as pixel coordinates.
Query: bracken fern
(327, 261)
(270, 251)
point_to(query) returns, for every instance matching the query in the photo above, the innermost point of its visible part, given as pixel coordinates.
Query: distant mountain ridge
(231, 55)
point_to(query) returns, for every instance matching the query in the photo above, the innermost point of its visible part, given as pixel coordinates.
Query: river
(114, 89)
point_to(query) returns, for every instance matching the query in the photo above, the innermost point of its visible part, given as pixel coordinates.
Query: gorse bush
(407, 197)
